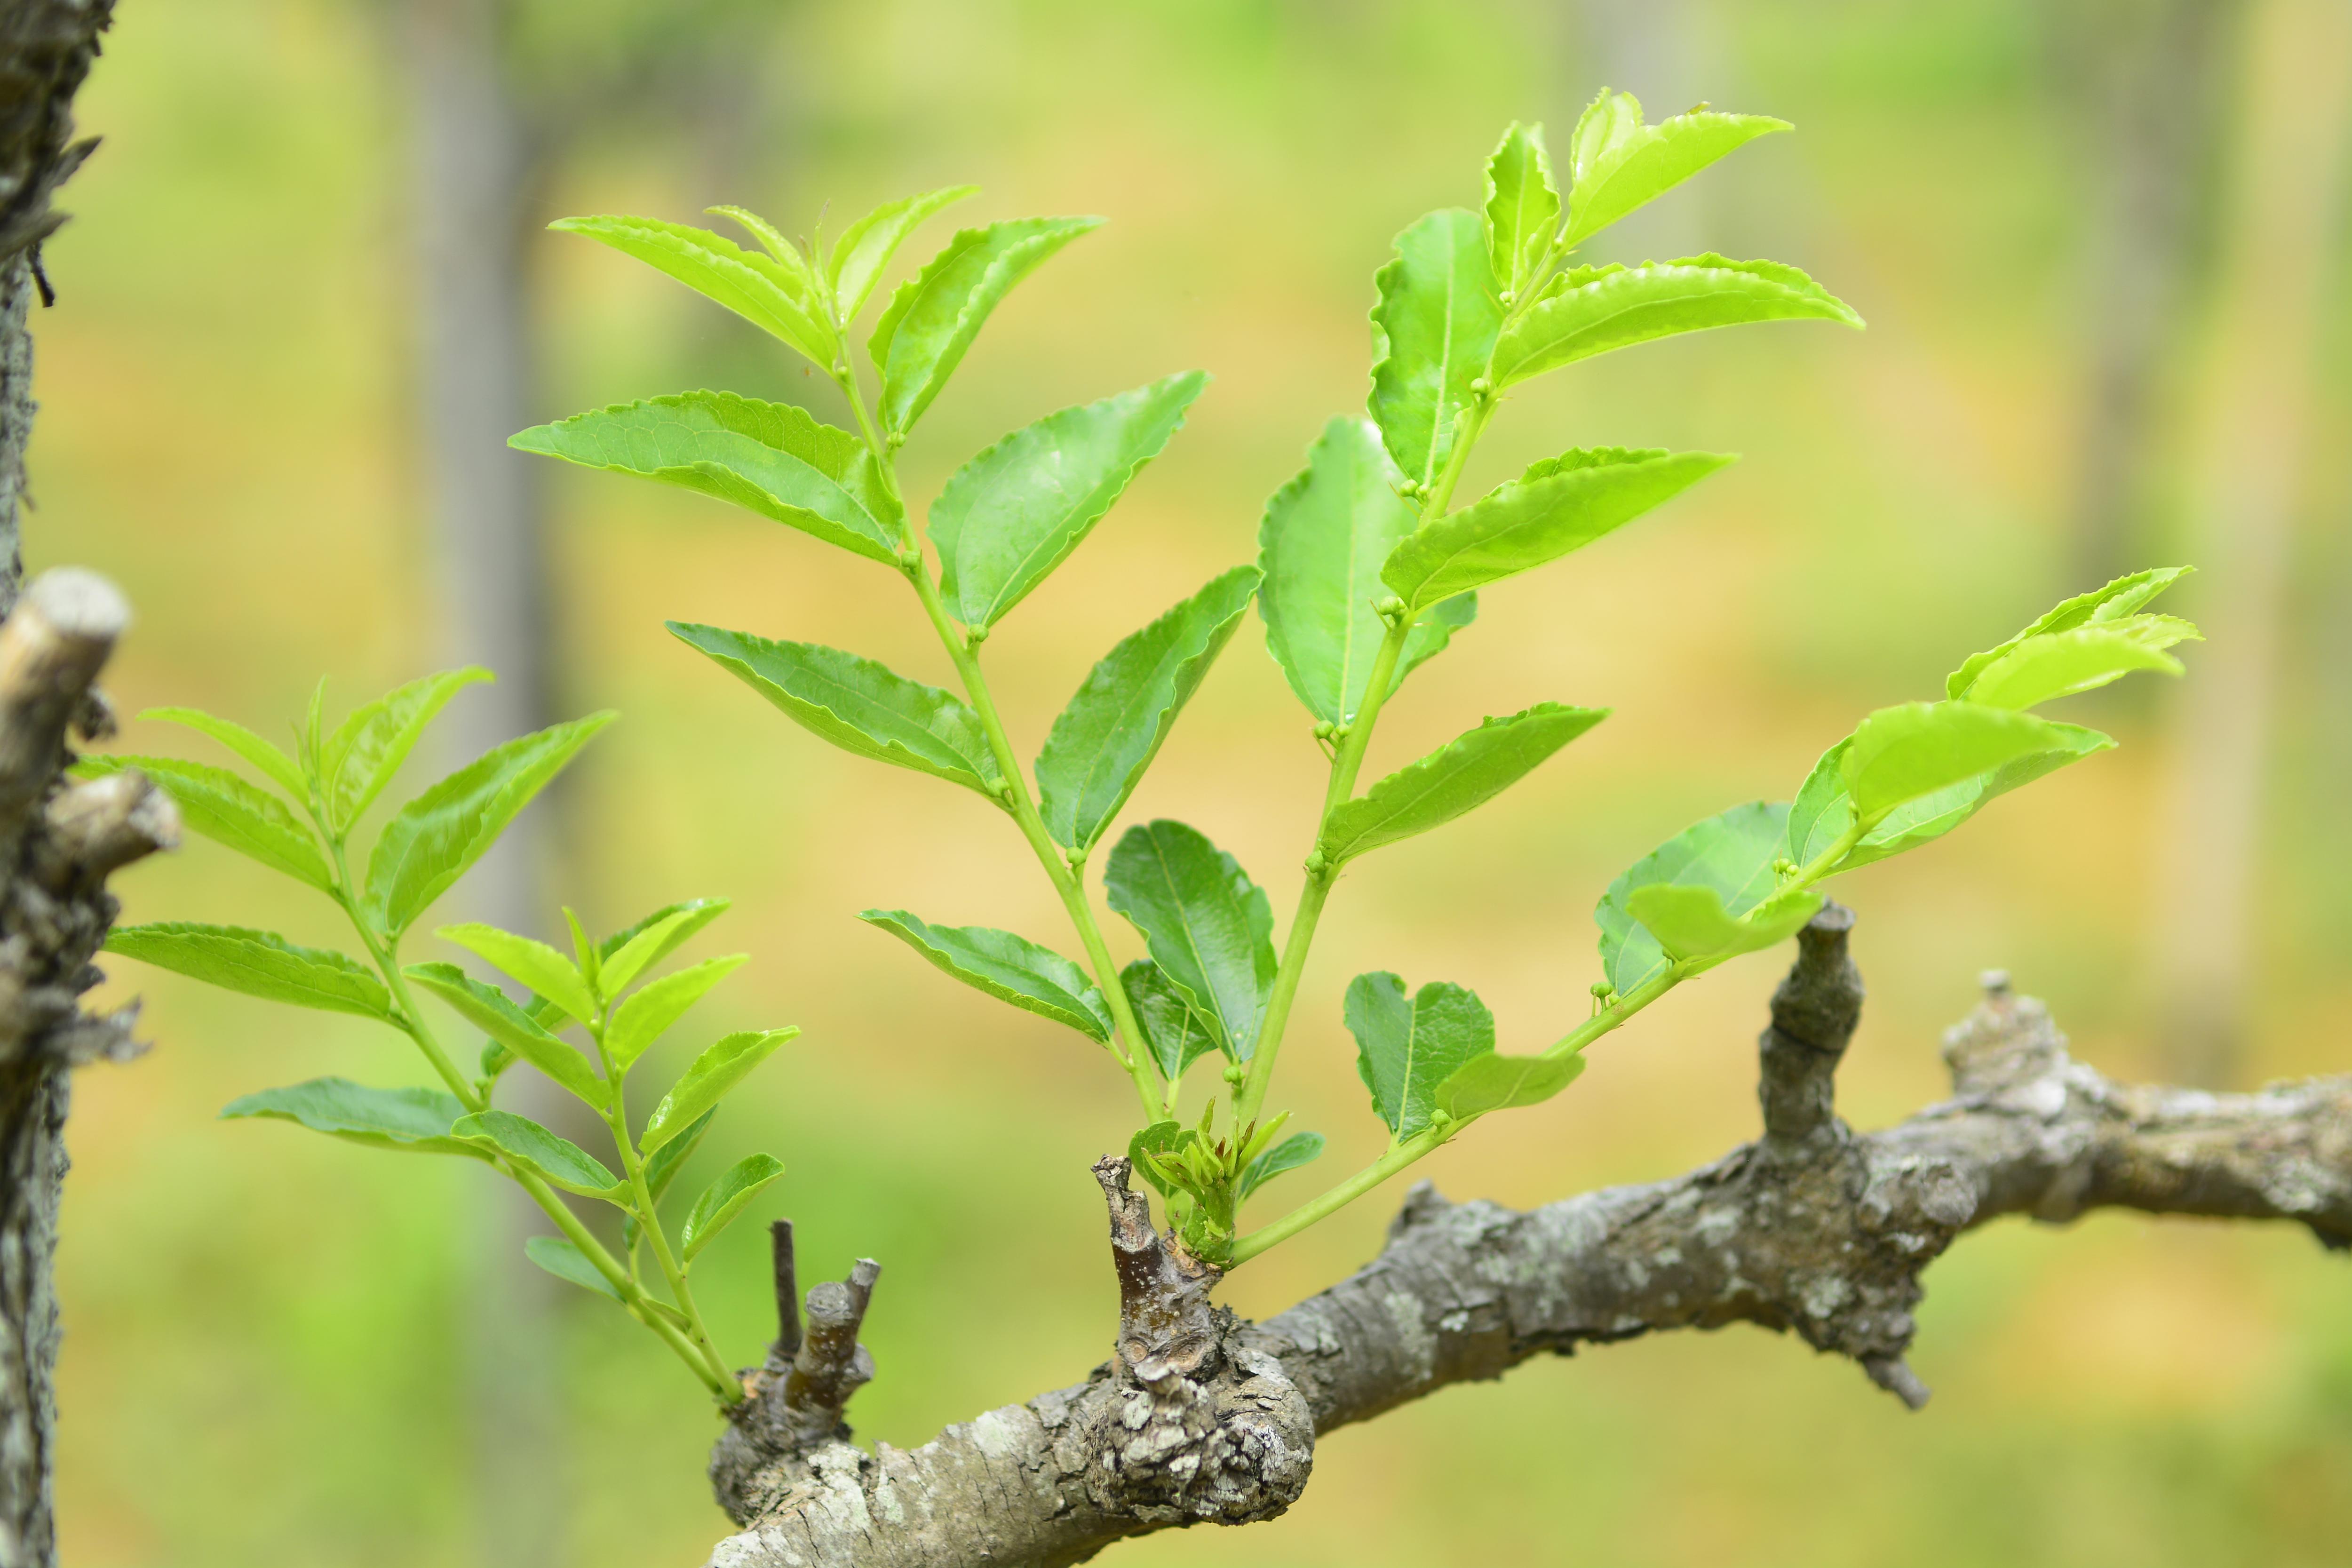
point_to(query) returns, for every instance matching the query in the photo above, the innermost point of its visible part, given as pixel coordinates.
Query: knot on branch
(2007, 1046)
(1185, 1425)
(795, 1400)
(1814, 1015)
(59, 841)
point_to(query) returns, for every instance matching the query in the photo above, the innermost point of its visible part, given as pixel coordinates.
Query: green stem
(1345, 767)
(1135, 1057)
(1317, 890)
(721, 1383)
(1331, 1203)
(649, 1222)
(411, 1022)
(1619, 1010)
(1429, 1140)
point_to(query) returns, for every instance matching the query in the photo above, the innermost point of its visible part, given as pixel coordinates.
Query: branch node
(1165, 1322)
(1813, 1016)
(1893, 1375)
(788, 1297)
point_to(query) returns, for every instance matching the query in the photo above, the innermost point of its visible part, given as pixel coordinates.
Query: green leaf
(555, 1160)
(2061, 664)
(867, 245)
(1433, 332)
(1102, 742)
(276, 764)
(224, 807)
(1207, 925)
(1014, 512)
(545, 970)
(1008, 967)
(662, 1165)
(706, 1081)
(1823, 811)
(1404, 1049)
(1522, 205)
(1495, 1082)
(1158, 1138)
(1731, 854)
(1461, 775)
(583, 952)
(1175, 1032)
(258, 962)
(1320, 546)
(858, 705)
(433, 839)
(626, 954)
(2120, 600)
(778, 245)
(1618, 163)
(490, 1010)
(1691, 922)
(771, 458)
(1561, 504)
(725, 1198)
(1298, 1149)
(935, 315)
(1900, 753)
(417, 1119)
(1592, 309)
(560, 1257)
(769, 294)
(638, 1022)
(367, 748)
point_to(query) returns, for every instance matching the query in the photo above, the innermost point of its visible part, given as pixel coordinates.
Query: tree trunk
(473, 176)
(2287, 178)
(46, 49)
(2154, 71)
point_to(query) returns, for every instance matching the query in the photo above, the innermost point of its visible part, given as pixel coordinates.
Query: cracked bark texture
(1813, 1230)
(54, 847)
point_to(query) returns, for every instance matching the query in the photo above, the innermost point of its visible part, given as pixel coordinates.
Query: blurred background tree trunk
(476, 180)
(2152, 77)
(2287, 168)
(496, 101)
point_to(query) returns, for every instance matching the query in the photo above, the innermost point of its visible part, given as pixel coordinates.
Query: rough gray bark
(46, 51)
(1813, 1230)
(57, 845)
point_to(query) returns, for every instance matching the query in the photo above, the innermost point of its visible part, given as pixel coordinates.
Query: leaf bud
(1236, 1076)
(975, 635)
(1480, 386)
(1389, 607)
(1316, 862)
(895, 439)
(1510, 298)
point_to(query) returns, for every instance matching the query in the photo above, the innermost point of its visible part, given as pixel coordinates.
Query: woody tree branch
(1812, 1229)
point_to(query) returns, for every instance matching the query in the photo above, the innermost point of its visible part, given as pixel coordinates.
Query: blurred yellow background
(267, 1332)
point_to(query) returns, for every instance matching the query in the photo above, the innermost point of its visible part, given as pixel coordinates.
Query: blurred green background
(269, 1334)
